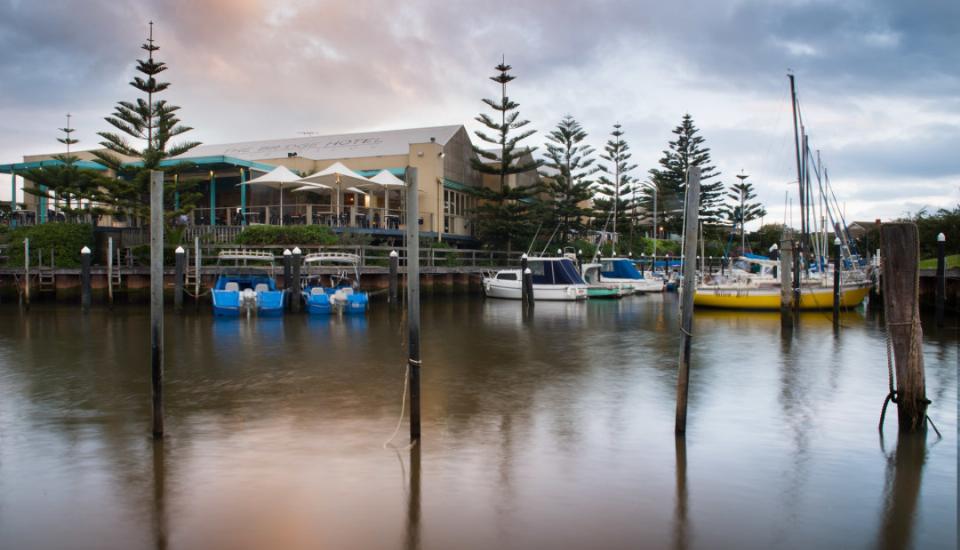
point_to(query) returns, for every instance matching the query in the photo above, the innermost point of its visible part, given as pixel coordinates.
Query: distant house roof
(336, 146)
(859, 229)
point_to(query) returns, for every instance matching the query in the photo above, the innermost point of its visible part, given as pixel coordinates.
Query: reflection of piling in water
(902, 490)
(680, 511)
(159, 496)
(413, 501)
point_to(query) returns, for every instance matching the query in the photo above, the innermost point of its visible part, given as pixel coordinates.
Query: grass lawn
(931, 263)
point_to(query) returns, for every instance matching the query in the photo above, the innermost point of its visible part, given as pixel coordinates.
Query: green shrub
(289, 235)
(65, 239)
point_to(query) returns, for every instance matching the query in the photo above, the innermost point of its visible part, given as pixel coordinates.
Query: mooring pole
(295, 274)
(786, 283)
(796, 275)
(180, 264)
(26, 272)
(85, 279)
(286, 277)
(156, 298)
(394, 270)
(940, 295)
(110, 271)
(836, 283)
(198, 264)
(413, 300)
(900, 243)
(528, 284)
(524, 297)
(688, 289)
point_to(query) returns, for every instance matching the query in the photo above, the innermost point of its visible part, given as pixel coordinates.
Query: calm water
(550, 432)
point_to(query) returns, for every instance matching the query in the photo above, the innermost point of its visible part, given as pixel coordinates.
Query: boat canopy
(332, 258)
(242, 254)
(619, 268)
(554, 271)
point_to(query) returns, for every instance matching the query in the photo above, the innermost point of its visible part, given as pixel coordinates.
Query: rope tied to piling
(892, 395)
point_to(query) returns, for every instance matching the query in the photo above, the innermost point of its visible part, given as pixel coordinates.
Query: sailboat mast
(796, 145)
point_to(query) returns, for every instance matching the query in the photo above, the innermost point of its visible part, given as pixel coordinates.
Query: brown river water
(554, 432)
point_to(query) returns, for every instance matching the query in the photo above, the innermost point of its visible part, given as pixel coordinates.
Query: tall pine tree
(671, 178)
(741, 207)
(151, 123)
(567, 180)
(503, 215)
(617, 194)
(79, 189)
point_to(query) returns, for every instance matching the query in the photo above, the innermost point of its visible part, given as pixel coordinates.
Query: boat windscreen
(619, 269)
(565, 273)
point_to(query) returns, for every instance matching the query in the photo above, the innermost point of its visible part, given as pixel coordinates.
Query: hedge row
(65, 239)
(289, 235)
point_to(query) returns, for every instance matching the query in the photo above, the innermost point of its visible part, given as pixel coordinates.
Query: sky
(877, 80)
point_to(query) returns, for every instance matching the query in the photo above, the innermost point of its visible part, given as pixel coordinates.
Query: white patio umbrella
(275, 179)
(338, 176)
(388, 181)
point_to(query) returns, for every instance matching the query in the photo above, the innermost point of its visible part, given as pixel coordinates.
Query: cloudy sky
(878, 80)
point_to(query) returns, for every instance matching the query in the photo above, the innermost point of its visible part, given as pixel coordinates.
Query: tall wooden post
(295, 274)
(110, 271)
(198, 268)
(26, 272)
(413, 300)
(524, 298)
(156, 298)
(85, 279)
(837, 268)
(797, 253)
(786, 283)
(180, 265)
(900, 244)
(940, 294)
(286, 277)
(687, 291)
(394, 270)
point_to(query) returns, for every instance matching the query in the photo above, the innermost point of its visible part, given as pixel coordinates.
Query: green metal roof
(21, 167)
(457, 186)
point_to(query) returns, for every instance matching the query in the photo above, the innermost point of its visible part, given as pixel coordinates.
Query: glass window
(507, 276)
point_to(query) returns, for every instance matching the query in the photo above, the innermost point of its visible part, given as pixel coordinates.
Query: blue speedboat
(236, 294)
(343, 294)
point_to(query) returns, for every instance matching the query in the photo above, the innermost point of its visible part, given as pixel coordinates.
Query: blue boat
(343, 294)
(239, 293)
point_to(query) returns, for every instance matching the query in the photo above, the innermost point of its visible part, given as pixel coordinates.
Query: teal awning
(21, 167)
(457, 186)
(399, 172)
(212, 161)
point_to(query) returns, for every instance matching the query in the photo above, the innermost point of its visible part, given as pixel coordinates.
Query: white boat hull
(510, 290)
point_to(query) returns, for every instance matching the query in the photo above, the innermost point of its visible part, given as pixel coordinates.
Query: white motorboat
(554, 279)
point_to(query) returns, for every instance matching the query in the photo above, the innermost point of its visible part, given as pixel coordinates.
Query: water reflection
(412, 533)
(680, 528)
(901, 492)
(159, 495)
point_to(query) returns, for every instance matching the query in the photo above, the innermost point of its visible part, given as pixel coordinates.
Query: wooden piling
(287, 253)
(295, 286)
(198, 274)
(180, 264)
(394, 276)
(26, 273)
(688, 289)
(940, 294)
(110, 271)
(786, 283)
(85, 279)
(156, 299)
(837, 268)
(900, 247)
(413, 300)
(524, 296)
